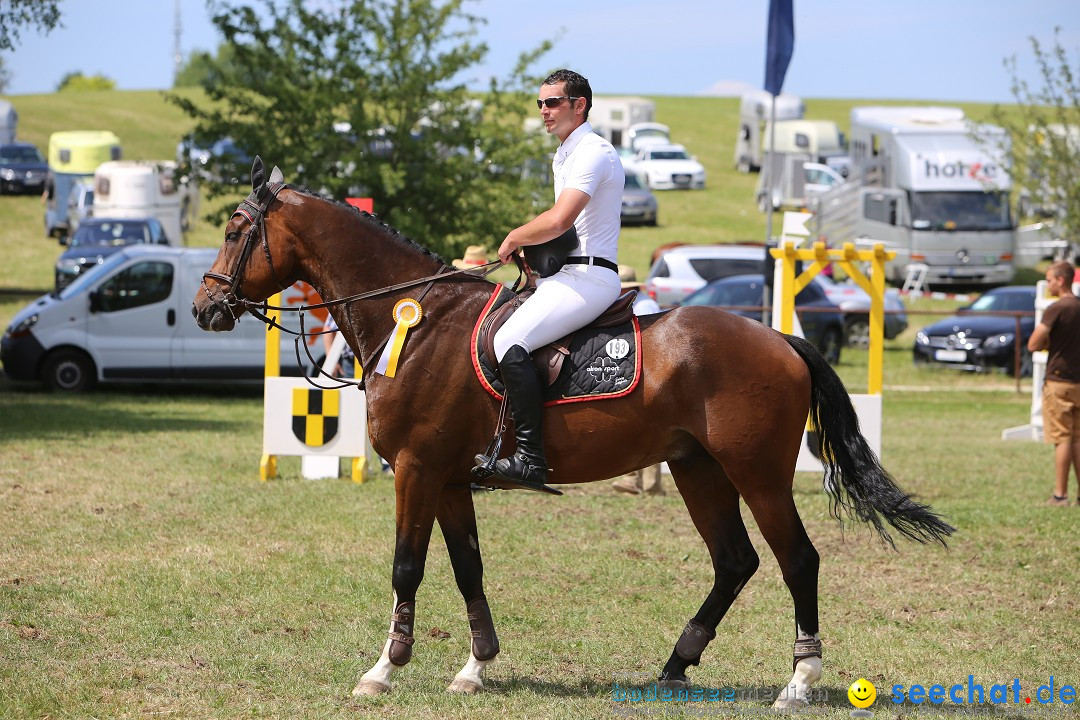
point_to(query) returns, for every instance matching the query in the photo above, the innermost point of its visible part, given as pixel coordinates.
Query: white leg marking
(376, 681)
(797, 692)
(471, 677)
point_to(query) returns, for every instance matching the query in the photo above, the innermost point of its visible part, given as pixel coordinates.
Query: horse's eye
(231, 237)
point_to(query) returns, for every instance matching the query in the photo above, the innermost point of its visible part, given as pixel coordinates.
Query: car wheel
(857, 331)
(830, 345)
(70, 371)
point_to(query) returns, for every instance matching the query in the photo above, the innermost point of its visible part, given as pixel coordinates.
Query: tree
(17, 14)
(201, 67)
(76, 81)
(367, 100)
(1044, 130)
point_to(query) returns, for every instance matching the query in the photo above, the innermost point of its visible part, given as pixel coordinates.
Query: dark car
(979, 343)
(824, 326)
(638, 202)
(97, 238)
(219, 160)
(22, 168)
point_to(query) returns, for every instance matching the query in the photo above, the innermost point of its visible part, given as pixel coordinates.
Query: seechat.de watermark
(971, 692)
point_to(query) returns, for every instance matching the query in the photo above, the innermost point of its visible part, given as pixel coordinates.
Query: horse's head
(241, 271)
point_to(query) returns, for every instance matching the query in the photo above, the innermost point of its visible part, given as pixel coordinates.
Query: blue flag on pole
(780, 43)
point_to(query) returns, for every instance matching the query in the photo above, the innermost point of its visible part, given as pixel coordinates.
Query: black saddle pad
(603, 363)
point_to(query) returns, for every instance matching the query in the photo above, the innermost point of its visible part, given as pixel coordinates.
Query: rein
(471, 272)
(256, 309)
(254, 208)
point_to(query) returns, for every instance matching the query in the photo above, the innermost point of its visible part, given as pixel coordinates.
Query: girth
(549, 359)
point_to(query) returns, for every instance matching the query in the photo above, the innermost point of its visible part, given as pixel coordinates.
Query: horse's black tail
(854, 478)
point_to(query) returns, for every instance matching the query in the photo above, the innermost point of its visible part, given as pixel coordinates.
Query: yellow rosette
(407, 314)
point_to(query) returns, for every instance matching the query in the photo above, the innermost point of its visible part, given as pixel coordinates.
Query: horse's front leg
(416, 506)
(457, 519)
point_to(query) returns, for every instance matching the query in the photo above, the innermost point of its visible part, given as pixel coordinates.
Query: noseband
(254, 208)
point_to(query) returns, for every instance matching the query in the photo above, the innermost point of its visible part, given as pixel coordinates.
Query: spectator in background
(1059, 333)
(646, 481)
(643, 304)
(475, 256)
(345, 367)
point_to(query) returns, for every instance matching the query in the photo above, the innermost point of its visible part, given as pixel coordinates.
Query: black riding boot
(527, 466)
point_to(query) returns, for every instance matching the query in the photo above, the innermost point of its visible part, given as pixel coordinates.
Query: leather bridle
(254, 208)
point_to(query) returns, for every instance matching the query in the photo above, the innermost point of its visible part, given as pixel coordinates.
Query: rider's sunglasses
(553, 102)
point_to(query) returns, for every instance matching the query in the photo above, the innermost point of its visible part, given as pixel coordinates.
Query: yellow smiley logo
(862, 693)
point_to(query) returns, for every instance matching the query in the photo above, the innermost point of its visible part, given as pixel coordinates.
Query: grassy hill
(150, 128)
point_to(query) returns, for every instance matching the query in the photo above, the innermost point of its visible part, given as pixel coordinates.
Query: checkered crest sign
(315, 415)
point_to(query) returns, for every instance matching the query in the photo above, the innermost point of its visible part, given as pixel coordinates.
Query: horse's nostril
(194, 311)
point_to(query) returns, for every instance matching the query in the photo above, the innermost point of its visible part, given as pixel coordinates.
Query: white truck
(130, 189)
(822, 140)
(9, 121)
(612, 117)
(755, 110)
(931, 186)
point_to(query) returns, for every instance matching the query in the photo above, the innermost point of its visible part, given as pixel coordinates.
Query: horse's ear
(276, 176)
(258, 172)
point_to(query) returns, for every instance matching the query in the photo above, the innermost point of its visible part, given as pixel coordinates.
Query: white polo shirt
(588, 162)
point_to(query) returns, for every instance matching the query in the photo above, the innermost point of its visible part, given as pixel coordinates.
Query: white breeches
(567, 301)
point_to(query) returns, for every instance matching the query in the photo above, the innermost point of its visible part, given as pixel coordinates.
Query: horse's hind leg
(416, 505)
(713, 504)
(769, 498)
(457, 519)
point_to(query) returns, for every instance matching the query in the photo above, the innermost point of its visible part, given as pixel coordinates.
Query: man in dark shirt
(1059, 333)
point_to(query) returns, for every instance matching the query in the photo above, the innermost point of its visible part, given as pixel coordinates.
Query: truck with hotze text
(930, 185)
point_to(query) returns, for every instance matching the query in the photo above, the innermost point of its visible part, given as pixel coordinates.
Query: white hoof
(789, 705)
(466, 686)
(371, 687)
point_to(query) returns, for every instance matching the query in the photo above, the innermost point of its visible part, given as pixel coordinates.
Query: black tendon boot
(527, 466)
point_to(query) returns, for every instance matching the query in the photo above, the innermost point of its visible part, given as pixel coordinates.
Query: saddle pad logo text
(617, 349)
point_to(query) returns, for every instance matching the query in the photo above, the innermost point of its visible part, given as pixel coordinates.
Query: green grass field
(146, 572)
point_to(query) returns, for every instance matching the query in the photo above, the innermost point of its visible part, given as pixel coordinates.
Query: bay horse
(722, 399)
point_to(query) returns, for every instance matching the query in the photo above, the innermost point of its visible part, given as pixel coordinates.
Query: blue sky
(942, 50)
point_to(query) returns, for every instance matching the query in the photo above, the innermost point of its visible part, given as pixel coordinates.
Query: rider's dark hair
(576, 86)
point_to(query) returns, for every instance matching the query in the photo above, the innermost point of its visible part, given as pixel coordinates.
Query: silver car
(638, 203)
(682, 270)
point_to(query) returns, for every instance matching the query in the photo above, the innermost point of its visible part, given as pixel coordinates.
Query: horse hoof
(467, 687)
(674, 683)
(790, 705)
(371, 687)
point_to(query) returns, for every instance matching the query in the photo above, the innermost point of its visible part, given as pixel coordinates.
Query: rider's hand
(507, 249)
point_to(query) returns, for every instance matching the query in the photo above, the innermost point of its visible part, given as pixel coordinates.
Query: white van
(129, 189)
(129, 320)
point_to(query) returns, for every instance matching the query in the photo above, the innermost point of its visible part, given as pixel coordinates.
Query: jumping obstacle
(301, 419)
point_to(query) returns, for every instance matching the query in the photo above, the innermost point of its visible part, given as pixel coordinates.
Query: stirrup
(488, 478)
